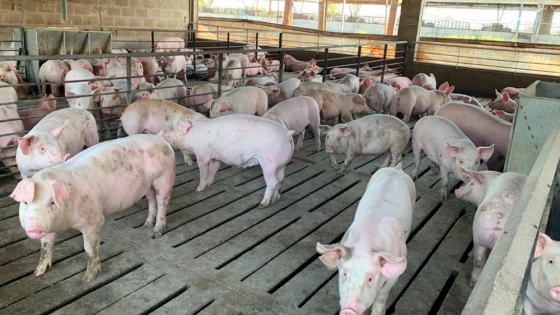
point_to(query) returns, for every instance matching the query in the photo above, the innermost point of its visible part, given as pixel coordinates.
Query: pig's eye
(461, 161)
(52, 202)
(551, 261)
(42, 148)
(369, 279)
(25, 203)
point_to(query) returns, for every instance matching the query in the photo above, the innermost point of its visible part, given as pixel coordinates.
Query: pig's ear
(25, 144)
(45, 97)
(367, 81)
(398, 87)
(323, 129)
(450, 90)
(499, 113)
(485, 152)
(444, 86)
(331, 254)
(479, 177)
(24, 191)
(345, 130)
(544, 243)
(56, 132)
(225, 106)
(432, 75)
(452, 150)
(506, 96)
(498, 95)
(184, 126)
(61, 192)
(70, 94)
(208, 105)
(391, 266)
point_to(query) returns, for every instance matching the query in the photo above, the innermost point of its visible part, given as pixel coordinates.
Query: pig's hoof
(200, 188)
(189, 162)
(335, 166)
(340, 173)
(472, 283)
(148, 224)
(264, 204)
(41, 269)
(443, 194)
(90, 276)
(157, 233)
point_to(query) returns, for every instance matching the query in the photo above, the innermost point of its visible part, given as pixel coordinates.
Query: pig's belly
(374, 147)
(125, 195)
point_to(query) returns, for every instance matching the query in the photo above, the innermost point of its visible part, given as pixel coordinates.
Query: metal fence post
(359, 61)
(220, 64)
(326, 63)
(281, 57)
(228, 41)
(256, 42)
(153, 42)
(128, 80)
(384, 63)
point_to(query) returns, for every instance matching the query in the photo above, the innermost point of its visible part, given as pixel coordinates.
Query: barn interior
(222, 254)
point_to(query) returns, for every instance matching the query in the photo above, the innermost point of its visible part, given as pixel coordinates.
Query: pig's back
(506, 185)
(79, 119)
(437, 130)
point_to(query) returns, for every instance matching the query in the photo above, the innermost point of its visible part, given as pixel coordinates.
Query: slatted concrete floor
(221, 254)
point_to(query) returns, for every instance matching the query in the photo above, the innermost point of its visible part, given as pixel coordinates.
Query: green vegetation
(360, 31)
(476, 37)
(333, 8)
(205, 3)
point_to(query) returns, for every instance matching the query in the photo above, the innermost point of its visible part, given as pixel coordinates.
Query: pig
(233, 70)
(339, 73)
(10, 129)
(352, 81)
(169, 44)
(118, 77)
(111, 101)
(258, 56)
(364, 84)
(9, 50)
(503, 102)
(150, 66)
(264, 80)
(423, 80)
(53, 71)
(494, 194)
(414, 100)
(168, 89)
(447, 146)
(307, 87)
(174, 65)
(135, 63)
(99, 181)
(255, 68)
(482, 128)
(150, 116)
(59, 136)
(30, 117)
(512, 91)
(237, 140)
(372, 134)
(271, 65)
(202, 93)
(295, 114)
(119, 51)
(456, 97)
(242, 58)
(281, 91)
(81, 63)
(73, 90)
(312, 68)
(378, 97)
(309, 76)
(10, 75)
(542, 295)
(248, 100)
(399, 82)
(503, 115)
(292, 64)
(335, 104)
(372, 254)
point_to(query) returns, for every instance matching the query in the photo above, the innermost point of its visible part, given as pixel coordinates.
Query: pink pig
(292, 64)
(169, 44)
(56, 138)
(334, 104)
(101, 180)
(494, 194)
(378, 97)
(295, 114)
(447, 146)
(202, 93)
(30, 117)
(53, 71)
(10, 127)
(352, 81)
(424, 80)
(414, 100)
(248, 100)
(307, 87)
(282, 91)
(237, 140)
(503, 102)
(512, 91)
(372, 254)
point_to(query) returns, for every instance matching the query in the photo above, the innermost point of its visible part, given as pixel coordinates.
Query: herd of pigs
(65, 187)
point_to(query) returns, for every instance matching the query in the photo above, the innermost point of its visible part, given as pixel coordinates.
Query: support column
(546, 20)
(409, 26)
(392, 17)
(288, 13)
(323, 15)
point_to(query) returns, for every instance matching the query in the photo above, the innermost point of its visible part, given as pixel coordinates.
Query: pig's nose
(106, 111)
(555, 292)
(2, 77)
(329, 150)
(348, 312)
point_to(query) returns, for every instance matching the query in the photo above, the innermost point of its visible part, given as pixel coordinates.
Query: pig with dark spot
(152, 116)
(494, 194)
(56, 138)
(543, 289)
(372, 254)
(10, 75)
(99, 181)
(414, 100)
(373, 134)
(334, 104)
(239, 140)
(270, 65)
(295, 114)
(282, 91)
(503, 102)
(446, 145)
(247, 100)
(32, 116)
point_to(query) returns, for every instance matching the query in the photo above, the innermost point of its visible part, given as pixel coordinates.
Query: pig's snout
(329, 149)
(458, 193)
(106, 110)
(348, 311)
(555, 292)
(144, 95)
(2, 77)
(36, 230)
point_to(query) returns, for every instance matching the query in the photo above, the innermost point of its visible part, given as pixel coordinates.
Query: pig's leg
(316, 133)
(417, 150)
(54, 89)
(151, 196)
(212, 170)
(333, 161)
(162, 197)
(347, 161)
(187, 158)
(47, 243)
(106, 125)
(346, 116)
(435, 168)
(280, 177)
(203, 167)
(335, 120)
(444, 182)
(119, 129)
(91, 245)
(479, 259)
(44, 88)
(387, 159)
(269, 173)
(300, 140)
(380, 304)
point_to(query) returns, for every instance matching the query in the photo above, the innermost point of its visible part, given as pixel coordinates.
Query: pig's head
(83, 101)
(176, 136)
(467, 157)
(109, 98)
(229, 80)
(218, 108)
(502, 102)
(360, 276)
(48, 102)
(548, 275)
(444, 93)
(42, 205)
(8, 73)
(145, 90)
(43, 147)
(473, 190)
(337, 137)
(359, 105)
(364, 84)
